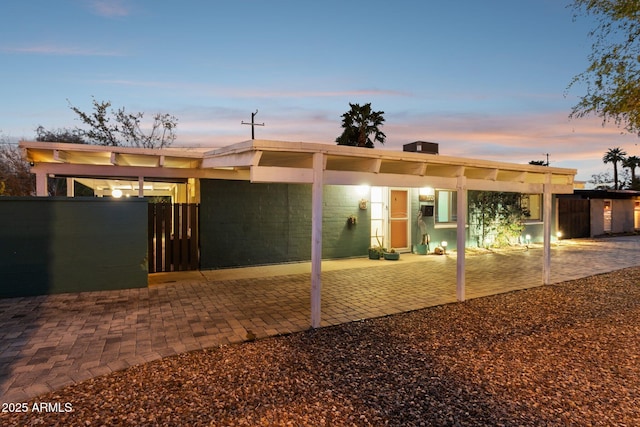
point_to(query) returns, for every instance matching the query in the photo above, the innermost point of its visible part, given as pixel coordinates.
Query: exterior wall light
(363, 192)
(117, 193)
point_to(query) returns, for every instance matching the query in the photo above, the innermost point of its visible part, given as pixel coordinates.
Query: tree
(632, 162)
(117, 127)
(60, 135)
(615, 156)
(359, 124)
(601, 181)
(612, 79)
(538, 163)
(15, 176)
(496, 218)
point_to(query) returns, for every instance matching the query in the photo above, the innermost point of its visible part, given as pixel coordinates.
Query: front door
(399, 219)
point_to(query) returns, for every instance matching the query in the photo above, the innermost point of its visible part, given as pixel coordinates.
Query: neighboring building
(591, 213)
(266, 202)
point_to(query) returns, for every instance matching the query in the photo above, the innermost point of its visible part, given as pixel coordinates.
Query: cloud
(48, 49)
(220, 91)
(110, 8)
(518, 137)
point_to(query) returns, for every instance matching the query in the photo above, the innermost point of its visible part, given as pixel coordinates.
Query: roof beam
(60, 156)
(70, 169)
(276, 174)
(244, 159)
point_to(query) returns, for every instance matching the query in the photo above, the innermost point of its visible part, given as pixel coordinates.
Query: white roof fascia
(280, 161)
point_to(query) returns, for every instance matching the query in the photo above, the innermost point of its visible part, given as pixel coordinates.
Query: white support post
(141, 187)
(41, 184)
(316, 238)
(461, 236)
(70, 189)
(546, 219)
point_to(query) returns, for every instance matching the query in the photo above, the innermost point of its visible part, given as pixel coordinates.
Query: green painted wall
(252, 224)
(56, 245)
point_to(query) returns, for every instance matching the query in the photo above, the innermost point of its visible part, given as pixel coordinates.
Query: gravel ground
(566, 354)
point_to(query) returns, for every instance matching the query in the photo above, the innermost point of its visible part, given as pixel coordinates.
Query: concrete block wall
(57, 245)
(252, 224)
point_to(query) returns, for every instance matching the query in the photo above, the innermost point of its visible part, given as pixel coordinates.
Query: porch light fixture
(363, 192)
(444, 246)
(117, 193)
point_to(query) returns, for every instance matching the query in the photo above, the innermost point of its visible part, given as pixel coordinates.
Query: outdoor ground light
(444, 246)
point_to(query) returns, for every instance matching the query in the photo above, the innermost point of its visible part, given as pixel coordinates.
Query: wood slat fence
(174, 243)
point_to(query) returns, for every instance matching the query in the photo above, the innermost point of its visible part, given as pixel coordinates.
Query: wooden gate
(574, 219)
(174, 243)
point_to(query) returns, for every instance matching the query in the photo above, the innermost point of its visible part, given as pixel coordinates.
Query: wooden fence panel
(574, 219)
(173, 237)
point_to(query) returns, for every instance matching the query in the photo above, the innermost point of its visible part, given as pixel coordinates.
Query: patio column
(141, 187)
(546, 220)
(70, 189)
(461, 236)
(316, 238)
(41, 184)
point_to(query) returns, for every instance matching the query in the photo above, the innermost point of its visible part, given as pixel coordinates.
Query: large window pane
(446, 206)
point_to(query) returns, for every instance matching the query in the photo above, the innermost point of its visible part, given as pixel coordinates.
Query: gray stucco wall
(622, 211)
(56, 245)
(251, 224)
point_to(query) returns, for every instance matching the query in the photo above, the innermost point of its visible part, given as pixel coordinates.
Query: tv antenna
(253, 124)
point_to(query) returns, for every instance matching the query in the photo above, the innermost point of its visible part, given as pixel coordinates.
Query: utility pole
(253, 124)
(547, 154)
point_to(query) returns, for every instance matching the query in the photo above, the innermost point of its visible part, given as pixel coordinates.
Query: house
(274, 201)
(591, 213)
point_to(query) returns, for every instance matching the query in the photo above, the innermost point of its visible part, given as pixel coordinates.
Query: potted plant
(423, 247)
(392, 255)
(377, 251)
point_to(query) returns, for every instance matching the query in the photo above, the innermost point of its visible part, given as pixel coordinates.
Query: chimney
(421, 147)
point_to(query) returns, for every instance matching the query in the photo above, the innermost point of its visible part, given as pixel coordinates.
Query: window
(532, 204)
(607, 216)
(446, 206)
(377, 215)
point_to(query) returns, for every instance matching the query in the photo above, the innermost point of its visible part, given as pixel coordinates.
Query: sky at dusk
(484, 79)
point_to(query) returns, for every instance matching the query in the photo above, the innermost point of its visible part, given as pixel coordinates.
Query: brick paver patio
(52, 341)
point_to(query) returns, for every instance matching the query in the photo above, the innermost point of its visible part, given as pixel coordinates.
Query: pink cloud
(577, 144)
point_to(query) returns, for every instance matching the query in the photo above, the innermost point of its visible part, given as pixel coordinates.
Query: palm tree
(359, 123)
(614, 155)
(632, 162)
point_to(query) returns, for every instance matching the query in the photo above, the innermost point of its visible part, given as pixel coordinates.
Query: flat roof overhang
(292, 162)
(275, 161)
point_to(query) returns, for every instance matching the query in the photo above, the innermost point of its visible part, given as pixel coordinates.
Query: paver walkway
(48, 342)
